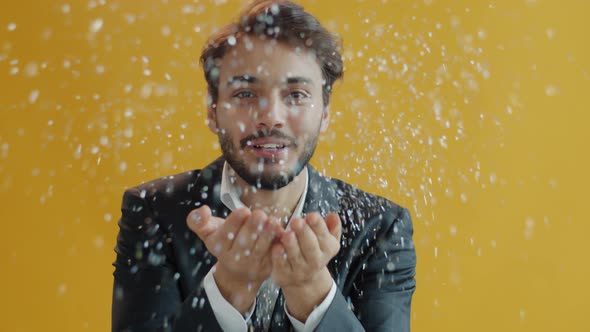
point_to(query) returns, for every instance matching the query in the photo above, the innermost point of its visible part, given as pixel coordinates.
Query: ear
(212, 115)
(325, 119)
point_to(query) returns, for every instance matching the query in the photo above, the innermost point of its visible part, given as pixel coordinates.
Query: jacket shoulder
(162, 195)
(169, 185)
(352, 199)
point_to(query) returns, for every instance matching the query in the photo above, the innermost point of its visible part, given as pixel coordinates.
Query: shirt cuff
(314, 319)
(228, 317)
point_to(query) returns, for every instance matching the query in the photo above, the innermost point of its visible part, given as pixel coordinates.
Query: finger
(326, 240)
(279, 260)
(227, 232)
(334, 225)
(267, 231)
(199, 221)
(308, 241)
(294, 256)
(248, 233)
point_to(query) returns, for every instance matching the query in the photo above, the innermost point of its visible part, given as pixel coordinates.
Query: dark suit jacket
(161, 263)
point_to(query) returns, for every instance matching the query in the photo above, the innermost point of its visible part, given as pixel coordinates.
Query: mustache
(274, 133)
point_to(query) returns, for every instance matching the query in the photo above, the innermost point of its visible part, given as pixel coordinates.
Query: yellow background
(473, 114)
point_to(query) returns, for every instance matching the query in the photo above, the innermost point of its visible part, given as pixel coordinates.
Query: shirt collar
(231, 197)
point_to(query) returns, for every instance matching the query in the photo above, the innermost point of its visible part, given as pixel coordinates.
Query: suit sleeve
(383, 280)
(146, 292)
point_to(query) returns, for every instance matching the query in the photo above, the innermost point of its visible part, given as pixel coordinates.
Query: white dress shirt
(228, 317)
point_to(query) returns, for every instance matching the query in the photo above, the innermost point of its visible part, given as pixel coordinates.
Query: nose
(272, 113)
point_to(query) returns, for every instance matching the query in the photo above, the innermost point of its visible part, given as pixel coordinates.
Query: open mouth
(273, 148)
(271, 151)
(269, 147)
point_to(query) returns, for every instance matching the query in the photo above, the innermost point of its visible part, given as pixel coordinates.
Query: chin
(272, 177)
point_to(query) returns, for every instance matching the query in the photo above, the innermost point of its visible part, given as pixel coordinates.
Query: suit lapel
(208, 187)
(321, 194)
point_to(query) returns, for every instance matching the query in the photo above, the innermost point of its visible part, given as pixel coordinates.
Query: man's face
(269, 110)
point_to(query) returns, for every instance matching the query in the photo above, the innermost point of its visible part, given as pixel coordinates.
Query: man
(259, 240)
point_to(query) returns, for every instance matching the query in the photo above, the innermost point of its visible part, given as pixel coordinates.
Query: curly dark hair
(283, 21)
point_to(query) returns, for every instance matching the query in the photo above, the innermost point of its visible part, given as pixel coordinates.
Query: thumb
(199, 221)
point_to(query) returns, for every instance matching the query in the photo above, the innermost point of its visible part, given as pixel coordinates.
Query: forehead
(268, 61)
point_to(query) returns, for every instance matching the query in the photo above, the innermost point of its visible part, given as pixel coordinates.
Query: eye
(297, 96)
(243, 94)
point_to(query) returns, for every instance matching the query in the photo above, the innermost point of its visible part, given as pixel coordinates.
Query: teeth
(270, 146)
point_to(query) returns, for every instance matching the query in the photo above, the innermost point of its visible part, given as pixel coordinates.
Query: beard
(256, 175)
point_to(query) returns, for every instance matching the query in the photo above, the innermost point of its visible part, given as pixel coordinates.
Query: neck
(278, 203)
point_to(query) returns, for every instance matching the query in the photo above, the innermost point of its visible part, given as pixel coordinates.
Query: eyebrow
(298, 80)
(242, 79)
(254, 80)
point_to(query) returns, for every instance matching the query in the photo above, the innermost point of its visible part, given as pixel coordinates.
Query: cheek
(308, 115)
(233, 120)
(305, 127)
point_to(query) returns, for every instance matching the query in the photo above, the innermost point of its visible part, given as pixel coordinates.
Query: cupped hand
(241, 243)
(305, 250)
